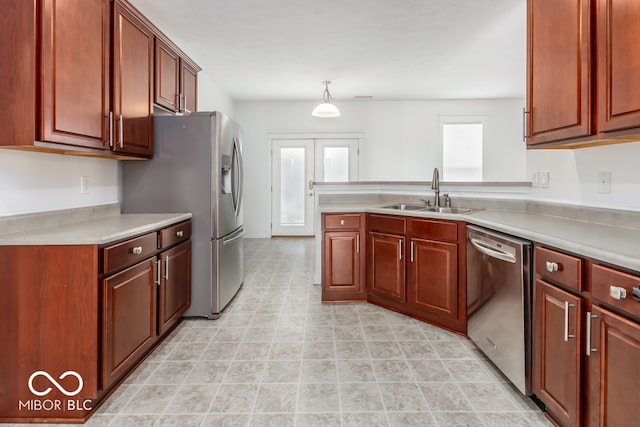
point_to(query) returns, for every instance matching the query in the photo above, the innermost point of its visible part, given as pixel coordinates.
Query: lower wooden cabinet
(614, 370)
(433, 277)
(387, 266)
(174, 285)
(129, 327)
(343, 263)
(85, 315)
(557, 352)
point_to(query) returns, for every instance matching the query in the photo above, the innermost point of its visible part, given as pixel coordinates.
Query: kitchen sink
(424, 208)
(450, 210)
(404, 207)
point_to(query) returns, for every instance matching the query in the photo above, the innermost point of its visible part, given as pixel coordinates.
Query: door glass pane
(336, 164)
(462, 151)
(292, 181)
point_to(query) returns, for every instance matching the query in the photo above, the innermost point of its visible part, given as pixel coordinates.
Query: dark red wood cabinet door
(433, 277)
(75, 72)
(557, 357)
(617, 35)
(614, 370)
(167, 69)
(129, 318)
(558, 70)
(133, 46)
(189, 88)
(387, 275)
(341, 269)
(174, 292)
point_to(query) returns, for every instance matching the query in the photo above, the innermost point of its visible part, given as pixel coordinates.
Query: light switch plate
(535, 179)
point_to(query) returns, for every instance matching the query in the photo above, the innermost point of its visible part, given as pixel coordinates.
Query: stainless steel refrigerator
(197, 168)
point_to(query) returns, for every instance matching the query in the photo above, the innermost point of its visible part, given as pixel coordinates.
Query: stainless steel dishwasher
(499, 301)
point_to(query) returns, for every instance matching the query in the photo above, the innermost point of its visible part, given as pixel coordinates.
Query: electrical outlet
(535, 179)
(544, 179)
(604, 182)
(84, 185)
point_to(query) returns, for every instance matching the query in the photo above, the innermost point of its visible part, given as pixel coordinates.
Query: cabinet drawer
(603, 279)
(176, 233)
(387, 223)
(438, 230)
(128, 252)
(341, 221)
(558, 267)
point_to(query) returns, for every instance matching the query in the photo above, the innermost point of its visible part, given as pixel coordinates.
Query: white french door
(295, 164)
(292, 170)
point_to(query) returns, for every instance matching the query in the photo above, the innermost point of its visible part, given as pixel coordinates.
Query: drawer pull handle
(342, 222)
(552, 266)
(179, 233)
(635, 293)
(137, 250)
(616, 292)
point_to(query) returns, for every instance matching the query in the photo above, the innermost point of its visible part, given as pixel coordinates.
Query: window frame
(460, 119)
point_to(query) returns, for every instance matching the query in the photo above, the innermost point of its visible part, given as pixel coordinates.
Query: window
(461, 148)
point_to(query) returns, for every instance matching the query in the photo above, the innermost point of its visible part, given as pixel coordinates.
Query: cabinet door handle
(400, 249)
(566, 321)
(588, 346)
(137, 250)
(110, 128)
(158, 272)
(525, 114)
(166, 267)
(358, 243)
(552, 266)
(121, 132)
(179, 233)
(412, 251)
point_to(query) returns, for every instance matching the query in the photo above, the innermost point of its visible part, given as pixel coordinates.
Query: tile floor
(278, 357)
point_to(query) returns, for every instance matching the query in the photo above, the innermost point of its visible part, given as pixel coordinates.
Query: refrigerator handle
(238, 200)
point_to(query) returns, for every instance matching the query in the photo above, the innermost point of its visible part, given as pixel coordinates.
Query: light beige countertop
(617, 244)
(84, 226)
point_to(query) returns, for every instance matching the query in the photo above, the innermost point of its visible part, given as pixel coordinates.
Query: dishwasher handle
(492, 252)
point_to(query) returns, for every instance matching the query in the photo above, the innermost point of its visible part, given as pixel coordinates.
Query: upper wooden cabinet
(583, 86)
(559, 70)
(75, 73)
(618, 33)
(175, 79)
(132, 83)
(78, 77)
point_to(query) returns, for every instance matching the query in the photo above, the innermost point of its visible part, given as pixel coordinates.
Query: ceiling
(387, 49)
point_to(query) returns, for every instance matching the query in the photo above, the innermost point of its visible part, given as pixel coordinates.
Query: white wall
(35, 182)
(573, 175)
(400, 141)
(211, 97)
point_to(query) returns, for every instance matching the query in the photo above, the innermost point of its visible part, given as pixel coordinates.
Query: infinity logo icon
(55, 383)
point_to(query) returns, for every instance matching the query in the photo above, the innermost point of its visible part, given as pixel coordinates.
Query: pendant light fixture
(326, 109)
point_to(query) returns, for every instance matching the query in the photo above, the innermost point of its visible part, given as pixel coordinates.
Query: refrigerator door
(228, 174)
(228, 264)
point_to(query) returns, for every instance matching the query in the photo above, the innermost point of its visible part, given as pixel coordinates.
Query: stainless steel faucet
(435, 186)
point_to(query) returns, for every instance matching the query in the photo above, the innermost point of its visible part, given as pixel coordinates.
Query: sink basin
(404, 207)
(423, 208)
(448, 210)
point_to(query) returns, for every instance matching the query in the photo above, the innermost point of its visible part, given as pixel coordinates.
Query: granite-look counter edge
(608, 243)
(85, 230)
